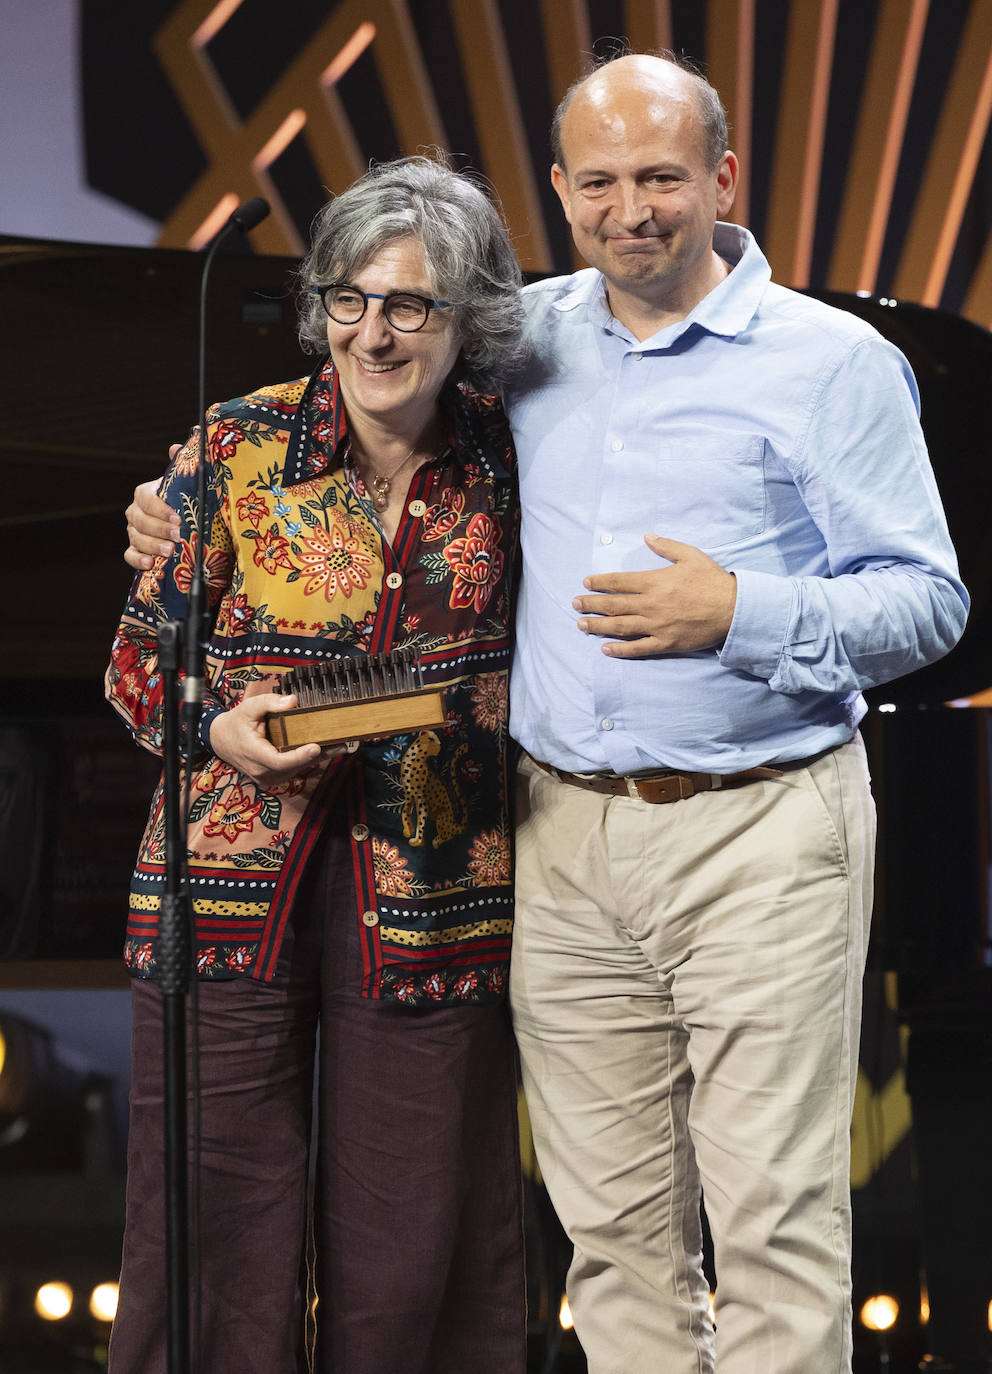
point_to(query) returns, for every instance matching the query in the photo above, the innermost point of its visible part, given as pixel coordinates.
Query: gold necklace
(380, 485)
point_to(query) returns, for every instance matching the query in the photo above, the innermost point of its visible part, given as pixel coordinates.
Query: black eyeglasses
(405, 310)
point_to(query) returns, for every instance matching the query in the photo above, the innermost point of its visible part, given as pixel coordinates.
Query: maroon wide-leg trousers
(417, 1206)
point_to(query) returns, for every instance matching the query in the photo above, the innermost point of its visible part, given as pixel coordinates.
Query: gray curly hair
(466, 248)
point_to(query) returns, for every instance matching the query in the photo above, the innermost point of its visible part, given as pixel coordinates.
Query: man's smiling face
(635, 186)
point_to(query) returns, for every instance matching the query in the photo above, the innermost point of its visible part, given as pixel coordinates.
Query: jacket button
(371, 918)
(359, 832)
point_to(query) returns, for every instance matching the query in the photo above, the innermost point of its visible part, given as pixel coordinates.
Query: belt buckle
(633, 790)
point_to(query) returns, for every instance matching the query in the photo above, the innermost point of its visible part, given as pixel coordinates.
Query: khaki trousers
(686, 995)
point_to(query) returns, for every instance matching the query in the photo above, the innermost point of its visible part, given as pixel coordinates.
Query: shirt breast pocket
(711, 490)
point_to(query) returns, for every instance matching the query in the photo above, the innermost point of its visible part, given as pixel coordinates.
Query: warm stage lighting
(214, 222)
(348, 55)
(880, 1312)
(565, 1314)
(3, 1050)
(53, 1301)
(103, 1302)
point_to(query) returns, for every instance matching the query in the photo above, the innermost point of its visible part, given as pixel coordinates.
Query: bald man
(730, 527)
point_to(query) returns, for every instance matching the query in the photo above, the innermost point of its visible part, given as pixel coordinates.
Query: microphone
(244, 218)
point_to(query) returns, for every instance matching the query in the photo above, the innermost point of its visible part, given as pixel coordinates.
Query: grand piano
(99, 363)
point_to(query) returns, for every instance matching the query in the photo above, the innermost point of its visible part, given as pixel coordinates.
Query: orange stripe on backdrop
(406, 80)
(567, 42)
(802, 118)
(280, 140)
(649, 24)
(568, 45)
(215, 221)
(349, 54)
(215, 20)
(951, 164)
(978, 302)
(496, 113)
(231, 145)
(878, 142)
(730, 50)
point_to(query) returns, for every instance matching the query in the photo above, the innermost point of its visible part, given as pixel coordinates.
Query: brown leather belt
(669, 785)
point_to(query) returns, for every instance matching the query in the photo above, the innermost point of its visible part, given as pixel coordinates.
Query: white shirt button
(617, 446)
(418, 507)
(371, 918)
(606, 723)
(637, 357)
(606, 538)
(394, 580)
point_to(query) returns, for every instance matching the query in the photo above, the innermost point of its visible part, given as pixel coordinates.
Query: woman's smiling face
(391, 378)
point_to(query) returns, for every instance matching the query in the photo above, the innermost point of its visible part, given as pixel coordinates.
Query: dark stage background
(863, 126)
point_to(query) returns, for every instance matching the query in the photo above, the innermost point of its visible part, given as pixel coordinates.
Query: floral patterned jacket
(298, 571)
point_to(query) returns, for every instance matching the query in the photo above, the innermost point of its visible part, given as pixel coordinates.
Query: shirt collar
(727, 309)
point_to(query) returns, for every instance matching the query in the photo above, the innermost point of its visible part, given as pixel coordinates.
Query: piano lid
(98, 356)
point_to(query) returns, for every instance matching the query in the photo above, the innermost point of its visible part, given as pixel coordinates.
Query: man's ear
(559, 180)
(727, 174)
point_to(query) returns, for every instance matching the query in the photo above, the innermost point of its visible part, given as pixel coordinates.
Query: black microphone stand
(176, 922)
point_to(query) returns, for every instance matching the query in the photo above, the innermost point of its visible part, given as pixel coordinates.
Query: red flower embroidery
(495, 980)
(322, 431)
(434, 986)
(287, 789)
(253, 508)
(476, 562)
(443, 517)
(225, 439)
(206, 959)
(213, 776)
(238, 958)
(466, 984)
(216, 565)
(404, 989)
(272, 550)
(232, 814)
(142, 956)
(241, 614)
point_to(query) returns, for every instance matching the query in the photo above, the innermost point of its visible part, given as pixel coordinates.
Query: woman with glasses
(367, 893)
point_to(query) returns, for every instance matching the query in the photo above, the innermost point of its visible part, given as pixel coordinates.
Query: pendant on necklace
(380, 491)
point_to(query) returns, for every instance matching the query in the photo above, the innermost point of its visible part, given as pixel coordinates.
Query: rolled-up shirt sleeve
(880, 596)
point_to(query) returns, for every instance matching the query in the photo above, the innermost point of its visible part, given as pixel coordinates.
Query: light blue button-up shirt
(780, 436)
